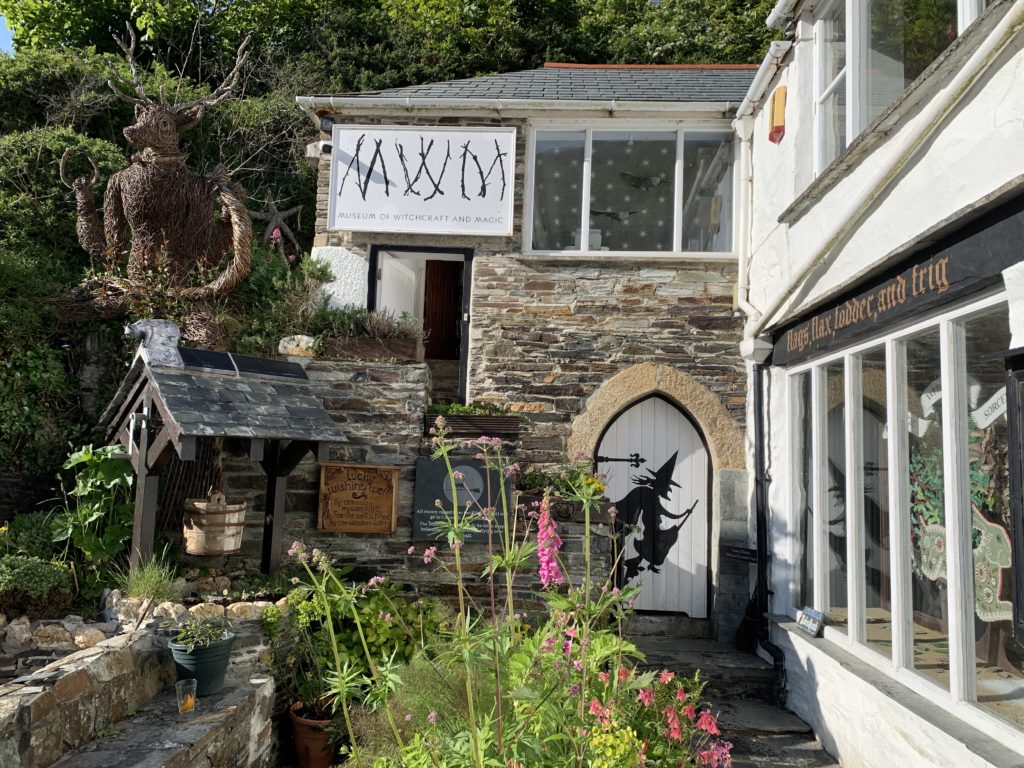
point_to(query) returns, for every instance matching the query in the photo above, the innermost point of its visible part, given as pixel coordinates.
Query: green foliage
(37, 410)
(96, 520)
(475, 408)
(563, 481)
(33, 587)
(28, 534)
(201, 631)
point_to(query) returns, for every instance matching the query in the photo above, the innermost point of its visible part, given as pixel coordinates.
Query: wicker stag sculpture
(168, 211)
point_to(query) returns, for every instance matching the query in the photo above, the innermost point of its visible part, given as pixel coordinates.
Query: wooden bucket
(212, 526)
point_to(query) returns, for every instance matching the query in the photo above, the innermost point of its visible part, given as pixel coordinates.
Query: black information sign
(746, 554)
(966, 261)
(478, 488)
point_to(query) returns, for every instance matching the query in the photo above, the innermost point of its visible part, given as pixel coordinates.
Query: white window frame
(589, 127)
(960, 699)
(855, 71)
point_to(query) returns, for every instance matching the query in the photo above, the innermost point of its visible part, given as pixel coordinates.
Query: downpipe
(761, 590)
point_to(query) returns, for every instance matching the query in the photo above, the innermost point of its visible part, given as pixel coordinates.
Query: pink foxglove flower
(707, 723)
(548, 544)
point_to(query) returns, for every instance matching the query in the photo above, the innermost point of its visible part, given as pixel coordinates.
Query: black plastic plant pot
(207, 664)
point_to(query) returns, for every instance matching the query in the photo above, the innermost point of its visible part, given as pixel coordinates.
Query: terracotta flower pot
(312, 740)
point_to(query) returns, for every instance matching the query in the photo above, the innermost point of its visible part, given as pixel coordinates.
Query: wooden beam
(323, 452)
(159, 450)
(256, 448)
(129, 406)
(292, 454)
(186, 448)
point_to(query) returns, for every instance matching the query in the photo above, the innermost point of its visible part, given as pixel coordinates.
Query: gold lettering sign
(358, 498)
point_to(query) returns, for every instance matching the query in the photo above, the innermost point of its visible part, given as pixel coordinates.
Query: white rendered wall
(973, 153)
(350, 273)
(865, 727)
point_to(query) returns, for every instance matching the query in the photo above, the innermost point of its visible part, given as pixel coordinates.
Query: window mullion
(677, 196)
(530, 179)
(957, 493)
(819, 485)
(585, 203)
(856, 67)
(899, 503)
(854, 448)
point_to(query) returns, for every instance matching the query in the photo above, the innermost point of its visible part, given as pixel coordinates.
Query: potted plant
(301, 668)
(202, 650)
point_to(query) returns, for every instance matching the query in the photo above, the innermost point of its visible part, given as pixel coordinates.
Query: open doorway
(432, 285)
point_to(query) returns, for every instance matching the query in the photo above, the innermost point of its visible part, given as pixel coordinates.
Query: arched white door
(658, 478)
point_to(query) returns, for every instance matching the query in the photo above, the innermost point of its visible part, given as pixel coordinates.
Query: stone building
(568, 236)
(882, 296)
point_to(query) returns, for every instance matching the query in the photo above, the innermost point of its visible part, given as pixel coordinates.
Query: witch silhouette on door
(644, 504)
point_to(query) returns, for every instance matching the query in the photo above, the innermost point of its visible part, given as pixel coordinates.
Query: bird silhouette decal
(620, 216)
(642, 183)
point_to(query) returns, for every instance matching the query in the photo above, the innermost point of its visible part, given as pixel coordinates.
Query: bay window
(901, 505)
(868, 52)
(630, 191)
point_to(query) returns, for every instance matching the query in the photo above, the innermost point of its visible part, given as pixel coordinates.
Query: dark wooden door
(442, 309)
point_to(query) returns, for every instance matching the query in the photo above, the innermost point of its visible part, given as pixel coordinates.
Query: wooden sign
(944, 271)
(358, 498)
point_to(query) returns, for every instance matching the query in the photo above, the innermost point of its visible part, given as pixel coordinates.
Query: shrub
(33, 587)
(29, 534)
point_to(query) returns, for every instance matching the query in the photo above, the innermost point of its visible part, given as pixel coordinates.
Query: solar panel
(269, 367)
(205, 358)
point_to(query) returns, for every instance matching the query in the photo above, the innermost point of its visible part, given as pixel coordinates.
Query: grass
(152, 582)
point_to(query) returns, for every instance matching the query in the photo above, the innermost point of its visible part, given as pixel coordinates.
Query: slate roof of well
(217, 403)
(569, 82)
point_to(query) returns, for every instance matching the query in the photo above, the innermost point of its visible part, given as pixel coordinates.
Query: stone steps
(765, 737)
(738, 687)
(231, 728)
(729, 673)
(668, 625)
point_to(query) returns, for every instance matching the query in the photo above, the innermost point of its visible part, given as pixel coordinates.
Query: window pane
(833, 40)
(832, 123)
(803, 510)
(877, 592)
(836, 480)
(905, 37)
(927, 509)
(999, 660)
(632, 182)
(558, 190)
(707, 192)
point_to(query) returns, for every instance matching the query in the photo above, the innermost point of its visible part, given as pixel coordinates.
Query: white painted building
(883, 160)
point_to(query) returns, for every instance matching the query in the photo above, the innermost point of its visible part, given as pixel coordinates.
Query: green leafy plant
(33, 587)
(201, 631)
(95, 522)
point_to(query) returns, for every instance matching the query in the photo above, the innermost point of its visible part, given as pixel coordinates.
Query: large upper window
(868, 53)
(647, 191)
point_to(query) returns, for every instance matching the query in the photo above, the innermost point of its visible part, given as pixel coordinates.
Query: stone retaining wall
(67, 703)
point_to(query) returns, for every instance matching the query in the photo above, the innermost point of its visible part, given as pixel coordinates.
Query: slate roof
(561, 82)
(217, 403)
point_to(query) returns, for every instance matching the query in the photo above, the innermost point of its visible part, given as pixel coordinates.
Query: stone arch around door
(730, 494)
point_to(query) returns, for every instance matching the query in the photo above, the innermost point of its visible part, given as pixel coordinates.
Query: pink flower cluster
(548, 545)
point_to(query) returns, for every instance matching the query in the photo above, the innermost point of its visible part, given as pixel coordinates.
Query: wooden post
(147, 484)
(273, 521)
(278, 462)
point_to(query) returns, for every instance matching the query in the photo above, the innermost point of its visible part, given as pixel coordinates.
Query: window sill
(617, 257)
(928, 83)
(984, 743)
